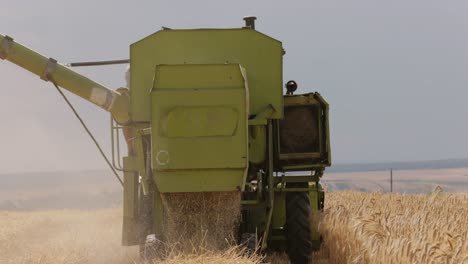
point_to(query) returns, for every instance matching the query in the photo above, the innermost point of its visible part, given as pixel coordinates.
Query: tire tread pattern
(298, 244)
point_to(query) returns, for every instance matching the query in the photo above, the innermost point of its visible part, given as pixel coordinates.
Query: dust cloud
(63, 236)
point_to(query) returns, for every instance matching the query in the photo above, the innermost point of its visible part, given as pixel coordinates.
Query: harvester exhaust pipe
(250, 22)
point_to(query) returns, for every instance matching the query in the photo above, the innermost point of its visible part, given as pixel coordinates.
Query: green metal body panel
(199, 127)
(257, 144)
(259, 54)
(279, 212)
(314, 208)
(130, 202)
(158, 214)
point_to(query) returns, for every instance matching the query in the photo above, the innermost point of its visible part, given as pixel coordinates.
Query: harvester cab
(209, 120)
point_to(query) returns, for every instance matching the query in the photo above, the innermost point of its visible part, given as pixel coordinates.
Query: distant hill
(413, 165)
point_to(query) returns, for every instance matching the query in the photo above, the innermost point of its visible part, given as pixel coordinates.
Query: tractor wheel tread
(298, 245)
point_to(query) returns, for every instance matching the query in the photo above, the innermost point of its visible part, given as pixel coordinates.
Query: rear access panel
(199, 127)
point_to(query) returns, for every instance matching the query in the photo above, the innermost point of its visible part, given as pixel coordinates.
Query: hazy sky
(394, 72)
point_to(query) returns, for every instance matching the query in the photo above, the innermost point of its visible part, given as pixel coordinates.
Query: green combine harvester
(205, 113)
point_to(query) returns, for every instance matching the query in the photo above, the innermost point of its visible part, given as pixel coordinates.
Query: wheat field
(393, 228)
(357, 228)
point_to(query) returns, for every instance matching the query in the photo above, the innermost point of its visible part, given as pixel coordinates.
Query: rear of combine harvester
(208, 115)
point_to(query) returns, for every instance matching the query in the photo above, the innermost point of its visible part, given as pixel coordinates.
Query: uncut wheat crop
(393, 228)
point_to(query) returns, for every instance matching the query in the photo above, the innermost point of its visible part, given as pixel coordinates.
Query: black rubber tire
(298, 244)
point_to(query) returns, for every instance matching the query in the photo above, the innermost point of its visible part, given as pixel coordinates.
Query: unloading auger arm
(115, 102)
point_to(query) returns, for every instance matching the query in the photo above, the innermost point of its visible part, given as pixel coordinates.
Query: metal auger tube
(115, 102)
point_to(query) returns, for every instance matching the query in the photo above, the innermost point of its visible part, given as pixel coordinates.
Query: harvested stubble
(393, 228)
(63, 236)
(86, 237)
(231, 255)
(205, 221)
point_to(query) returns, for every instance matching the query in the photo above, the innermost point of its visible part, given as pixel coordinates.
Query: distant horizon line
(338, 167)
